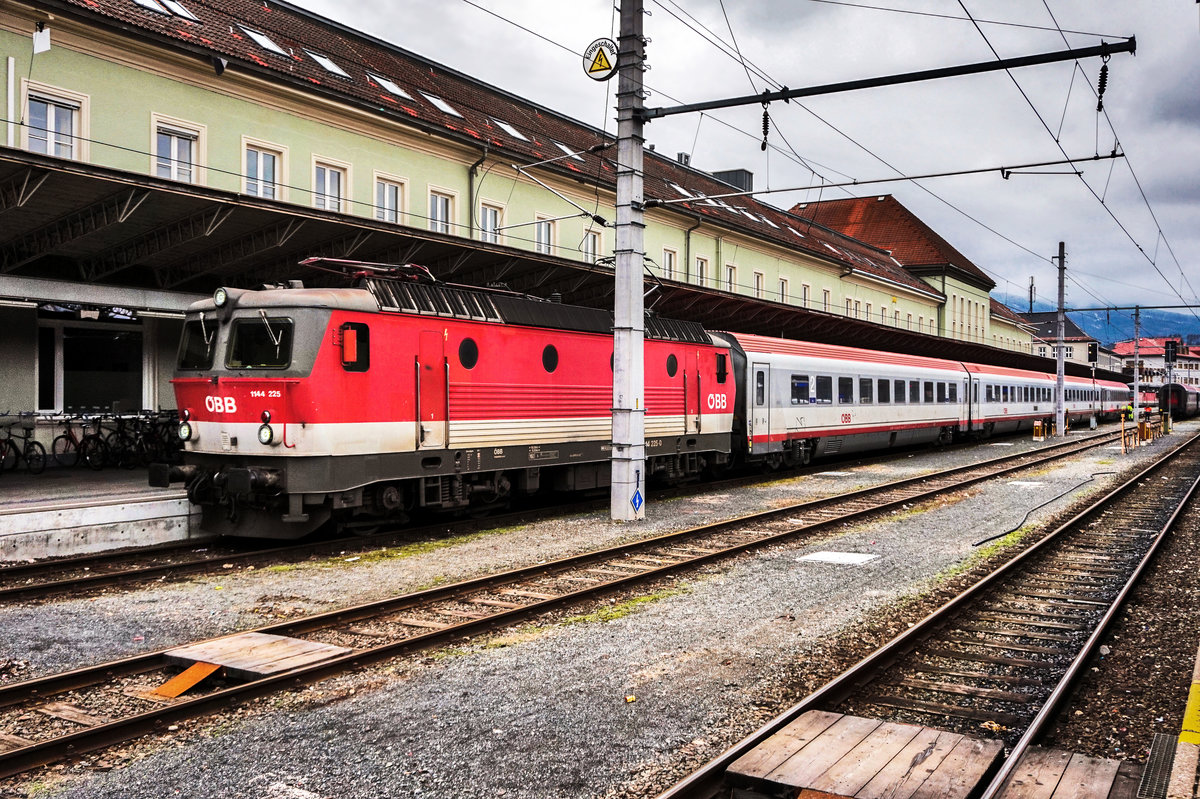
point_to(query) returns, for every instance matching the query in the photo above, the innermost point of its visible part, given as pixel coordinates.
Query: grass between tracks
(393, 553)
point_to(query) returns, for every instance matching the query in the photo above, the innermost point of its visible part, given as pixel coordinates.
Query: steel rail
(706, 781)
(100, 736)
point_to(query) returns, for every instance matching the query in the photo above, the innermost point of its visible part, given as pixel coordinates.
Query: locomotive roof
(340, 299)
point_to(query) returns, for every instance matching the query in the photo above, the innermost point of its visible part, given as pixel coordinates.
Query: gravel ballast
(589, 708)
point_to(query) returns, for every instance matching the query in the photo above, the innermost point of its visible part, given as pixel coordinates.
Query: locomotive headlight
(185, 414)
(220, 297)
(266, 417)
(185, 431)
(265, 434)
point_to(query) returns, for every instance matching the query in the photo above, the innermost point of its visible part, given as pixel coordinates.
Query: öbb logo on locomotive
(398, 395)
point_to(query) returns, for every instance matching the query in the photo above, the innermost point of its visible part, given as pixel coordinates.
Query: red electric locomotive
(365, 403)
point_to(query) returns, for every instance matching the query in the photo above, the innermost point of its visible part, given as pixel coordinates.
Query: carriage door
(432, 428)
(691, 393)
(760, 408)
(974, 413)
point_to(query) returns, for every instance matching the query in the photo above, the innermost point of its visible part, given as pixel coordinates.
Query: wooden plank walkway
(824, 755)
(1057, 774)
(251, 655)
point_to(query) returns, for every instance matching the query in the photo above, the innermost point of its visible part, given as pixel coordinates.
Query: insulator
(1101, 86)
(766, 127)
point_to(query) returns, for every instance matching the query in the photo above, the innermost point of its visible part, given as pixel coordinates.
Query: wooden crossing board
(831, 755)
(1056, 774)
(251, 655)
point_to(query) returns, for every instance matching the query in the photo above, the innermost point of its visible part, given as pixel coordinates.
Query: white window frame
(544, 233)
(669, 262)
(281, 166)
(324, 200)
(701, 270)
(760, 289)
(805, 294)
(80, 104)
(731, 278)
(436, 199)
(491, 235)
(590, 245)
(264, 41)
(381, 212)
(783, 289)
(181, 128)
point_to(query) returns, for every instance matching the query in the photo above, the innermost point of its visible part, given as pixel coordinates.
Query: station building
(153, 150)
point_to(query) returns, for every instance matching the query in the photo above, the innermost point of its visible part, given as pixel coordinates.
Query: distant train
(403, 394)
(1179, 400)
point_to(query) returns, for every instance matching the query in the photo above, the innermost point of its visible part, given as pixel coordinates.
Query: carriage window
(987, 393)
(196, 347)
(928, 394)
(941, 392)
(760, 388)
(914, 391)
(824, 389)
(845, 390)
(952, 392)
(799, 389)
(356, 347)
(864, 390)
(1004, 393)
(722, 369)
(263, 343)
(885, 391)
(899, 386)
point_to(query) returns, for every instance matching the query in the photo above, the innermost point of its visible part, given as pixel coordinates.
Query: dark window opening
(356, 347)
(928, 393)
(722, 367)
(468, 353)
(264, 343)
(845, 390)
(864, 390)
(898, 386)
(196, 346)
(914, 391)
(799, 389)
(760, 388)
(885, 392)
(550, 358)
(824, 389)
(672, 365)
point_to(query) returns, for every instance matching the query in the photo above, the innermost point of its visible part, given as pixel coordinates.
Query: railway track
(996, 661)
(88, 573)
(50, 718)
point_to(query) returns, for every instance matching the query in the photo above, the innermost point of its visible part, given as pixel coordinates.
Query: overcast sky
(1009, 228)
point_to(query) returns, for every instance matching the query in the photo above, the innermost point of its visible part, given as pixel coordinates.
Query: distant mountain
(1109, 327)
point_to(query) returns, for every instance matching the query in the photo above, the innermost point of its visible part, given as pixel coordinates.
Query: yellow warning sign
(600, 59)
(600, 63)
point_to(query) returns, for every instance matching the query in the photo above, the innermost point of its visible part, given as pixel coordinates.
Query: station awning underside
(76, 222)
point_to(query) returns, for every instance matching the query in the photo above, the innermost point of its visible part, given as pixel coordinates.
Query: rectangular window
(760, 388)
(543, 236)
(668, 264)
(53, 125)
(885, 392)
(489, 223)
(826, 300)
(868, 311)
(865, 386)
(1004, 394)
(857, 310)
(389, 200)
(264, 343)
(329, 186)
(898, 387)
(263, 167)
(845, 390)
(783, 289)
(927, 396)
(441, 212)
(799, 389)
(910, 321)
(941, 392)
(590, 246)
(759, 288)
(722, 368)
(701, 271)
(805, 291)
(196, 345)
(730, 278)
(914, 392)
(849, 307)
(93, 367)
(175, 154)
(824, 389)
(896, 319)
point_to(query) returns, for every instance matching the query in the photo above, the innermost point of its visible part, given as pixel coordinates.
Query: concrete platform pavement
(1184, 770)
(74, 511)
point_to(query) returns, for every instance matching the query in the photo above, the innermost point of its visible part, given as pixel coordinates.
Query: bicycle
(30, 450)
(69, 448)
(122, 449)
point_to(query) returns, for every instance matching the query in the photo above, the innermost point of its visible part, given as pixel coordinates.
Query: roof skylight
(263, 41)
(389, 85)
(768, 221)
(681, 190)
(153, 5)
(178, 9)
(441, 104)
(510, 130)
(328, 63)
(797, 232)
(567, 150)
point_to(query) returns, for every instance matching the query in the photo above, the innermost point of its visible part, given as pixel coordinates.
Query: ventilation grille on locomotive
(432, 300)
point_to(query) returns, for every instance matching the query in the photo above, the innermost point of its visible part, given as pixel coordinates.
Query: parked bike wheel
(35, 457)
(65, 451)
(8, 455)
(93, 452)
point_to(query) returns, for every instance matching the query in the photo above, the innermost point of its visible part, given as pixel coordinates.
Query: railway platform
(74, 511)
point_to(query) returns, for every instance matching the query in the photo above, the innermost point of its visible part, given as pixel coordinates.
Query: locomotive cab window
(356, 346)
(722, 368)
(197, 345)
(262, 343)
(799, 389)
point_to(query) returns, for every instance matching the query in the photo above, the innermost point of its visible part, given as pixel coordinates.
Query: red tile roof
(295, 30)
(1149, 347)
(1004, 312)
(884, 222)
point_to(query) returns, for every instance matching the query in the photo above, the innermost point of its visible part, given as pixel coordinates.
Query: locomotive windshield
(196, 347)
(263, 343)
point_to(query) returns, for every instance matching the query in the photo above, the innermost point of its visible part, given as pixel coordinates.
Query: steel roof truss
(112, 210)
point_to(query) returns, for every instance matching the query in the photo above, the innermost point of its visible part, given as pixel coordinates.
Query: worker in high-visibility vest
(1129, 413)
